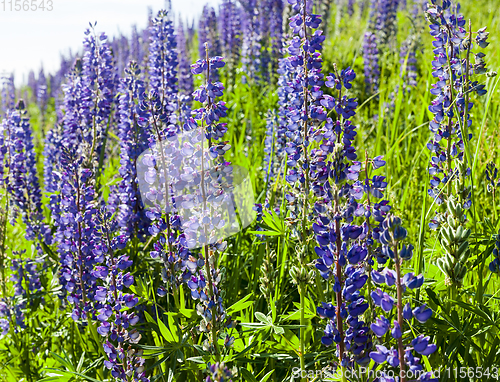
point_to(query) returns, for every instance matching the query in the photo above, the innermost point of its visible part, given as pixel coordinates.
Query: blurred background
(32, 39)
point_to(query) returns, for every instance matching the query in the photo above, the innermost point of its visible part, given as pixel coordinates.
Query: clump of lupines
(403, 356)
(449, 167)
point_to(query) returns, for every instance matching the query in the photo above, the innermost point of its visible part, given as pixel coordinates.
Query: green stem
(302, 290)
(401, 352)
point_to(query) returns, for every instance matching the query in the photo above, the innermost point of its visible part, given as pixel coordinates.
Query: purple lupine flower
(97, 90)
(385, 20)
(390, 237)
(208, 127)
(33, 85)
(26, 278)
(115, 323)
(186, 86)
(408, 62)
(8, 94)
(42, 94)
(87, 105)
(277, 134)
(350, 7)
(170, 246)
(330, 172)
(269, 148)
(137, 52)
(451, 128)
(252, 44)
(494, 265)
(381, 31)
(5, 313)
(230, 31)
(133, 141)
(21, 181)
(218, 372)
(371, 66)
(208, 33)
(276, 32)
(163, 63)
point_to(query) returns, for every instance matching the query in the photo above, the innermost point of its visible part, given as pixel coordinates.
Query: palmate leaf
(274, 225)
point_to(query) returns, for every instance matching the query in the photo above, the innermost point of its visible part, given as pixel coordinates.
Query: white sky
(29, 39)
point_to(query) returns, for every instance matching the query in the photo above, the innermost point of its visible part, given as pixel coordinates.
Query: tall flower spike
(26, 278)
(252, 44)
(163, 63)
(87, 106)
(382, 28)
(133, 141)
(230, 32)
(210, 129)
(451, 126)
(346, 249)
(8, 94)
(371, 66)
(116, 323)
(98, 86)
(186, 86)
(170, 246)
(22, 182)
(404, 356)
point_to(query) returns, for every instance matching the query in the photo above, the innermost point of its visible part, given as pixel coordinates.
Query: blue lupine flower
(163, 63)
(21, 181)
(391, 235)
(133, 141)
